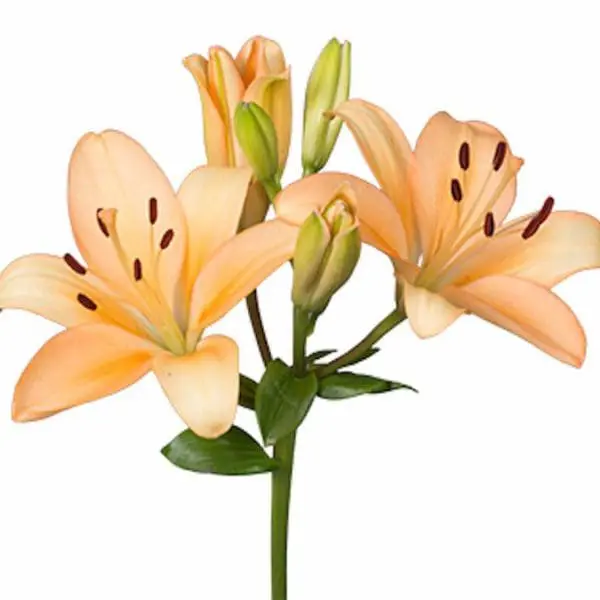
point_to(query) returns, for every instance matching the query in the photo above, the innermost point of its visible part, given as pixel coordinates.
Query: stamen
(539, 219)
(167, 238)
(456, 190)
(74, 264)
(101, 223)
(86, 302)
(499, 156)
(464, 156)
(137, 269)
(490, 225)
(153, 210)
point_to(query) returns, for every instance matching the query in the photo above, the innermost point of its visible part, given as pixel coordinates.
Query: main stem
(282, 476)
(382, 328)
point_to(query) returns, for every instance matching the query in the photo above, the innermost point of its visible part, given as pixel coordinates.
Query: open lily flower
(454, 193)
(257, 74)
(161, 268)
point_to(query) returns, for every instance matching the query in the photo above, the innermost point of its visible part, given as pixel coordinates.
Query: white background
(486, 485)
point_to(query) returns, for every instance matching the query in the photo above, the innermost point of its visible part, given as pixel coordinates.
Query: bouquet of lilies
(158, 267)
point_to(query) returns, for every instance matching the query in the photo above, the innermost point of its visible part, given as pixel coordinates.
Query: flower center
(151, 314)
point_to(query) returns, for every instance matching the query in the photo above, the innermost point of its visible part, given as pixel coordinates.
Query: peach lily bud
(328, 86)
(327, 250)
(257, 74)
(256, 135)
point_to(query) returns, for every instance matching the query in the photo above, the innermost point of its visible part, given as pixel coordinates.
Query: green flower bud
(328, 86)
(327, 250)
(257, 138)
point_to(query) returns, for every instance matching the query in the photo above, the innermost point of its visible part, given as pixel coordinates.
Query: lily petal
(389, 156)
(568, 242)
(428, 313)
(237, 268)
(80, 365)
(528, 310)
(68, 295)
(464, 171)
(227, 90)
(258, 57)
(215, 133)
(212, 199)
(380, 224)
(111, 171)
(45, 285)
(203, 386)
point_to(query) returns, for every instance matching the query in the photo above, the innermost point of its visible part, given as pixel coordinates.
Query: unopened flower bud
(327, 251)
(257, 137)
(328, 86)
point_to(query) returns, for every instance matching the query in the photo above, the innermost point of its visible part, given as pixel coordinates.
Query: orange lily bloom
(161, 268)
(257, 74)
(453, 194)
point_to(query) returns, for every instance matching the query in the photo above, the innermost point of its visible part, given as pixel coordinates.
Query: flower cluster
(159, 266)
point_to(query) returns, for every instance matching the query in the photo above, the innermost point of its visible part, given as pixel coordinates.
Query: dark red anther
(499, 155)
(74, 264)
(167, 238)
(86, 302)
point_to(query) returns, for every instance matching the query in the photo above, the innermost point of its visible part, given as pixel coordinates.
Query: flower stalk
(382, 328)
(282, 476)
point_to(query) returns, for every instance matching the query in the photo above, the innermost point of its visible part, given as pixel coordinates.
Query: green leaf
(234, 453)
(318, 355)
(366, 354)
(283, 400)
(247, 392)
(348, 385)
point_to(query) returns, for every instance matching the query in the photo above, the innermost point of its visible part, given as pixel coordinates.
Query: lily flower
(158, 269)
(454, 193)
(257, 74)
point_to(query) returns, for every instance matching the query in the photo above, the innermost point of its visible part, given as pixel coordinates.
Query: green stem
(258, 328)
(280, 513)
(382, 328)
(282, 476)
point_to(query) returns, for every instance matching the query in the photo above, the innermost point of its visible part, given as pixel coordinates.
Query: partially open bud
(257, 137)
(327, 250)
(257, 74)
(328, 86)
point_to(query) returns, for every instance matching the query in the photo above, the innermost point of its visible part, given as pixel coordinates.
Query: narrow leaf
(234, 453)
(247, 392)
(283, 400)
(318, 355)
(348, 385)
(367, 354)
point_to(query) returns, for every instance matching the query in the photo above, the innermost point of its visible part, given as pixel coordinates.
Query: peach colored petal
(215, 133)
(227, 90)
(203, 386)
(526, 309)
(111, 171)
(258, 57)
(428, 313)
(47, 286)
(568, 242)
(389, 156)
(380, 224)
(274, 95)
(80, 365)
(460, 196)
(212, 199)
(237, 268)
